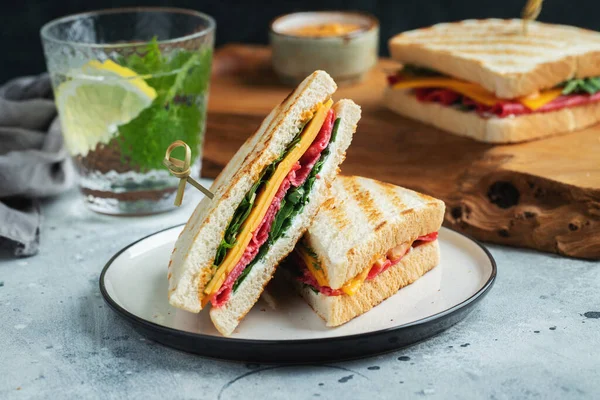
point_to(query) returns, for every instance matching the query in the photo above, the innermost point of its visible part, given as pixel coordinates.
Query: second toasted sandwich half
(486, 80)
(368, 240)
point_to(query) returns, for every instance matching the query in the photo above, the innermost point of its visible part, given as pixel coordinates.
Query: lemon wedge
(96, 100)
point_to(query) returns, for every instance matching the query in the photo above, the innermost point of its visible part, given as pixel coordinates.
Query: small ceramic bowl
(346, 57)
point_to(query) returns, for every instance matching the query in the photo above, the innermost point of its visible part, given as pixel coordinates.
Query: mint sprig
(178, 111)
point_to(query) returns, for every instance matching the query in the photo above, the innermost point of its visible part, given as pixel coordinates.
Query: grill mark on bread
(339, 217)
(363, 199)
(390, 192)
(381, 225)
(328, 204)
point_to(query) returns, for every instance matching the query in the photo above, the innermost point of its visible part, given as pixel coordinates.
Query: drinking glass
(127, 83)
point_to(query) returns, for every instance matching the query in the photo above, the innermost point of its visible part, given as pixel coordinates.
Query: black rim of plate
(231, 346)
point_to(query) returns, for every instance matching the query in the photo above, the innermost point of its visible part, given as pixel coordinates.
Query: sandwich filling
(309, 271)
(431, 86)
(267, 210)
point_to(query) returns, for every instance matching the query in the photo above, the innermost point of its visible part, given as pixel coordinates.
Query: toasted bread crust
(493, 130)
(337, 310)
(495, 53)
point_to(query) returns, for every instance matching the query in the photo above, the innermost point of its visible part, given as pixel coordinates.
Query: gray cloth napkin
(33, 161)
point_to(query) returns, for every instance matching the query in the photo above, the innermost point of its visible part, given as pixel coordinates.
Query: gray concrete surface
(535, 336)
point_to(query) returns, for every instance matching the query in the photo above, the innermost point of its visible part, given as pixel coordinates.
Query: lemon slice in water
(99, 97)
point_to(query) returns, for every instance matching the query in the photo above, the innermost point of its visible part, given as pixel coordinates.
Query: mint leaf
(194, 67)
(144, 139)
(149, 62)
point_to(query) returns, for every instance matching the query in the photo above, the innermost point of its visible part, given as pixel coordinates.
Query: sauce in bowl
(325, 30)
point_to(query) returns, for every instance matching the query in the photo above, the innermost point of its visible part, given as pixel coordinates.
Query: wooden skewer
(530, 12)
(181, 169)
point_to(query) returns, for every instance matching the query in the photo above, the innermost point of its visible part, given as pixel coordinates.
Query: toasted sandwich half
(367, 241)
(265, 199)
(487, 80)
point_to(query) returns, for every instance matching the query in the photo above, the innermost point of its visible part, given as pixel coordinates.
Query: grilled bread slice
(190, 267)
(496, 54)
(361, 222)
(365, 218)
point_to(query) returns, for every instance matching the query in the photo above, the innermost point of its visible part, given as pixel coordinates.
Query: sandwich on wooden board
(264, 200)
(368, 240)
(488, 80)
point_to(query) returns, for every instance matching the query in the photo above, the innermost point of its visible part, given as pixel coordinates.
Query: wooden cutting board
(543, 195)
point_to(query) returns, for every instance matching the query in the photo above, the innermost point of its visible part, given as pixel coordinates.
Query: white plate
(134, 284)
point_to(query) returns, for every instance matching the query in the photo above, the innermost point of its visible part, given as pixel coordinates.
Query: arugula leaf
(245, 207)
(286, 210)
(308, 250)
(579, 86)
(334, 132)
(292, 205)
(595, 82)
(570, 86)
(416, 70)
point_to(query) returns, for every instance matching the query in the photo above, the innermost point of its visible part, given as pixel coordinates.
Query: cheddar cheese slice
(265, 197)
(352, 286)
(540, 99)
(476, 92)
(313, 266)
